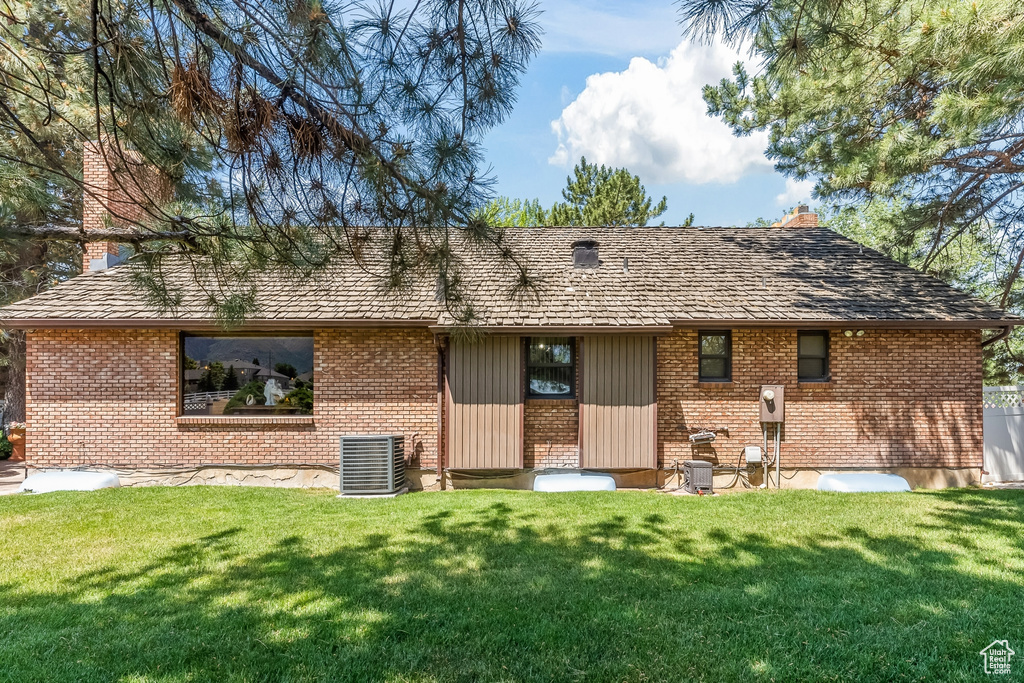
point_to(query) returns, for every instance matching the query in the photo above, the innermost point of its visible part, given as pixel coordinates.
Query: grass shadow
(507, 586)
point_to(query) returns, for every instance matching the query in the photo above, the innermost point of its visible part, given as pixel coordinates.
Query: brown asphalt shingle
(674, 275)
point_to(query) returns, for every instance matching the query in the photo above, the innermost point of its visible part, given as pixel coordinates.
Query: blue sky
(614, 81)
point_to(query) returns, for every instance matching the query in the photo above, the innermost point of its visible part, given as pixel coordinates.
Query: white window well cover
(574, 481)
(862, 482)
(69, 480)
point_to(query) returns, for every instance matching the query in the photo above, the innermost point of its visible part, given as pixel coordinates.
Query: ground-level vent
(372, 464)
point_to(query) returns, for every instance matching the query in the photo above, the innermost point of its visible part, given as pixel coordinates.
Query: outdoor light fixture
(848, 333)
(860, 333)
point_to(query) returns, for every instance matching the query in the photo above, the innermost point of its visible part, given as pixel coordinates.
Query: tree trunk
(14, 390)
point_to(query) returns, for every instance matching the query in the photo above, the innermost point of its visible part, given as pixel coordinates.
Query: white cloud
(796, 191)
(652, 119)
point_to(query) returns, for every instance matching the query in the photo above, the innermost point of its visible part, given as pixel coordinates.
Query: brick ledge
(255, 420)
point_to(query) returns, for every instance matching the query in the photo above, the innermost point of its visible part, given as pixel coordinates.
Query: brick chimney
(116, 185)
(800, 217)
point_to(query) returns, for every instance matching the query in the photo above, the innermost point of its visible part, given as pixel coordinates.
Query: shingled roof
(648, 277)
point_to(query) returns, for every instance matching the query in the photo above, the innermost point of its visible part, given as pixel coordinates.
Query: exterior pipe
(764, 454)
(1002, 335)
(778, 465)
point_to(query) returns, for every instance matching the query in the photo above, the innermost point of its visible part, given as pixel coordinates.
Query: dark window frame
(184, 334)
(727, 356)
(571, 364)
(826, 358)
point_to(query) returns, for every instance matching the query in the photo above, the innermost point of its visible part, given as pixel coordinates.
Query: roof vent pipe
(584, 254)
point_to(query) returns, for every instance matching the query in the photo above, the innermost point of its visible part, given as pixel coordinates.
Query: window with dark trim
(550, 367)
(812, 356)
(715, 355)
(247, 374)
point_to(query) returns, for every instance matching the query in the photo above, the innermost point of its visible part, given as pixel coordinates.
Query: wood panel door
(618, 412)
(485, 404)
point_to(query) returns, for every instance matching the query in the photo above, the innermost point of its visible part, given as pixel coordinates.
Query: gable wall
(897, 399)
(110, 396)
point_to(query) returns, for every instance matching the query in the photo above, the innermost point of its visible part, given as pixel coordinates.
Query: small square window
(812, 357)
(715, 356)
(550, 367)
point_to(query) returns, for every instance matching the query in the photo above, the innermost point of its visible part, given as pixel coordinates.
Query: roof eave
(562, 329)
(197, 325)
(868, 324)
(194, 325)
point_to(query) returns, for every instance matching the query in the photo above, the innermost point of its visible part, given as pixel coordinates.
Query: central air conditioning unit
(372, 465)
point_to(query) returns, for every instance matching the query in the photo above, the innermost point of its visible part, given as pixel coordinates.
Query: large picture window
(715, 356)
(812, 356)
(551, 367)
(247, 375)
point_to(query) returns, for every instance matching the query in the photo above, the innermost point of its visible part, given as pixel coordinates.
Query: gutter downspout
(1002, 335)
(440, 409)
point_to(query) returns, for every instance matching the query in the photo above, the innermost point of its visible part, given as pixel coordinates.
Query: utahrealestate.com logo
(997, 657)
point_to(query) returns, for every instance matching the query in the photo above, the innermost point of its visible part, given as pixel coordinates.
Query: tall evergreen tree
(295, 133)
(231, 379)
(605, 196)
(292, 134)
(916, 102)
(594, 196)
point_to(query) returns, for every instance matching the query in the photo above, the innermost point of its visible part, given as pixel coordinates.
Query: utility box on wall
(773, 403)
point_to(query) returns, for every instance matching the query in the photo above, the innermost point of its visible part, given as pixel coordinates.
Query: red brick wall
(117, 185)
(551, 433)
(110, 396)
(910, 398)
(897, 398)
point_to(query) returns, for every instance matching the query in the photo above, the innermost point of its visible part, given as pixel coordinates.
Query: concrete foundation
(724, 481)
(279, 477)
(426, 479)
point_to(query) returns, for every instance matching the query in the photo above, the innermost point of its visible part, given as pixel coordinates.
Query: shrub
(238, 400)
(301, 398)
(6, 447)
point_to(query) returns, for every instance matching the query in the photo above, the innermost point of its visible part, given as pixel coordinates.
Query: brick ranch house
(635, 340)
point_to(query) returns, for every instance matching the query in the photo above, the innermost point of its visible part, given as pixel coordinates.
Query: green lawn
(247, 584)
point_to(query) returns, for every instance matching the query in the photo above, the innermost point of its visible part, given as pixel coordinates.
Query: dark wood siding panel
(485, 404)
(617, 410)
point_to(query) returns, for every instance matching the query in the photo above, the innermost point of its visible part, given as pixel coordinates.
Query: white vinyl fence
(199, 404)
(209, 396)
(1004, 433)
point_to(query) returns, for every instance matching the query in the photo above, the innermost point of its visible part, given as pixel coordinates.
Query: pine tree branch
(74, 233)
(354, 140)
